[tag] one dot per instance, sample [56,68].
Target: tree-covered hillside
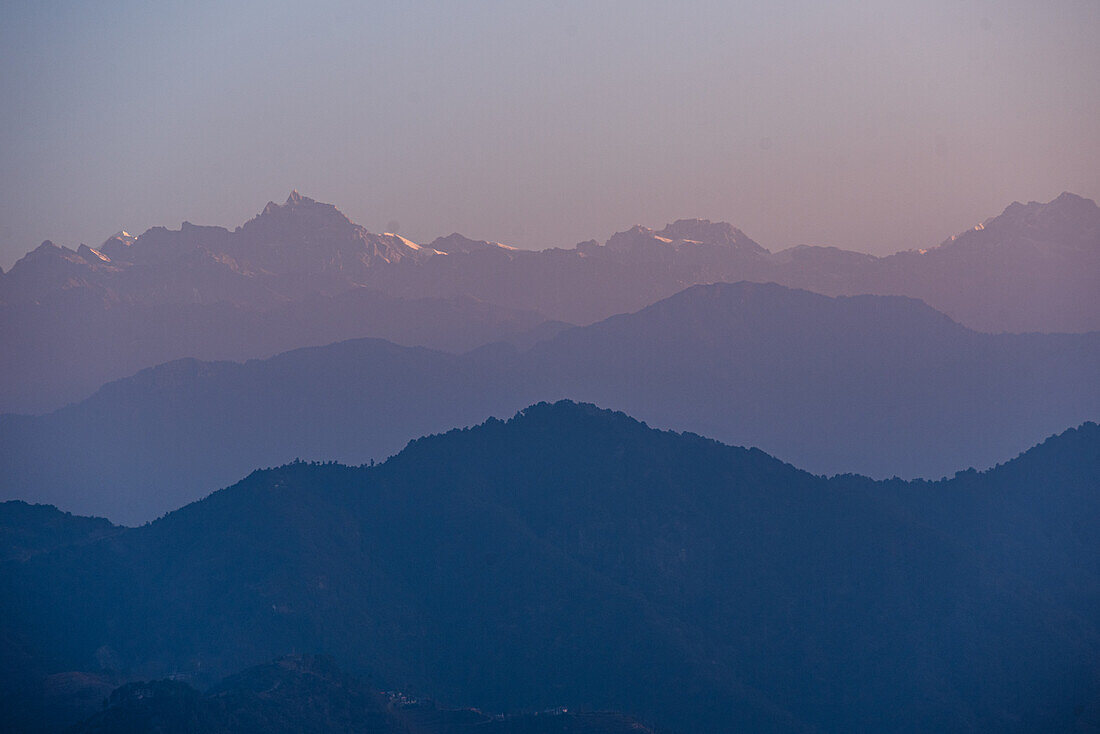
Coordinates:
[575,557]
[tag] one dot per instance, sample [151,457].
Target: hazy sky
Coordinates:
[869,125]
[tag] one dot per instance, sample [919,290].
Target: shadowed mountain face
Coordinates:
[878,385]
[72,320]
[29,529]
[58,354]
[309,693]
[575,557]
[1036,267]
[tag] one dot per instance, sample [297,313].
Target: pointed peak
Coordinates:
[1065,201]
[296,198]
[1068,197]
[295,204]
[48,252]
[294,201]
[1073,205]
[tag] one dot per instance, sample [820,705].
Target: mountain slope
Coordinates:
[29,529]
[145,443]
[52,358]
[1035,267]
[71,320]
[309,693]
[286,252]
[572,556]
[879,385]
[590,281]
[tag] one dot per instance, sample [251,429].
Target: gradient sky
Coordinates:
[874,126]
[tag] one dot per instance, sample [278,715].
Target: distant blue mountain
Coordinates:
[878,385]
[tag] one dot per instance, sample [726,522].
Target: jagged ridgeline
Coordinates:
[574,557]
[302,274]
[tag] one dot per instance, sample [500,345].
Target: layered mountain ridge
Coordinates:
[71,320]
[305,246]
[517,565]
[880,385]
[287,251]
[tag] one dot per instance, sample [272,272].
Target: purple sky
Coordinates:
[874,126]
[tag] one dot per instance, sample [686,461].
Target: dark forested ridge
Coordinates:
[575,557]
[878,385]
[28,529]
[307,693]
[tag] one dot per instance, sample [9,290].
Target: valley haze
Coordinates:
[881,470]
[609,368]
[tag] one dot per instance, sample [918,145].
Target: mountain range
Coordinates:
[406,573]
[880,385]
[291,277]
[575,557]
[1035,267]
[71,320]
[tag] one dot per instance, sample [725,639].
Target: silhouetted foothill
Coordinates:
[310,693]
[27,529]
[574,557]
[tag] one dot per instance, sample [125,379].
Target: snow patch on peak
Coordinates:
[456,243]
[92,255]
[407,243]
